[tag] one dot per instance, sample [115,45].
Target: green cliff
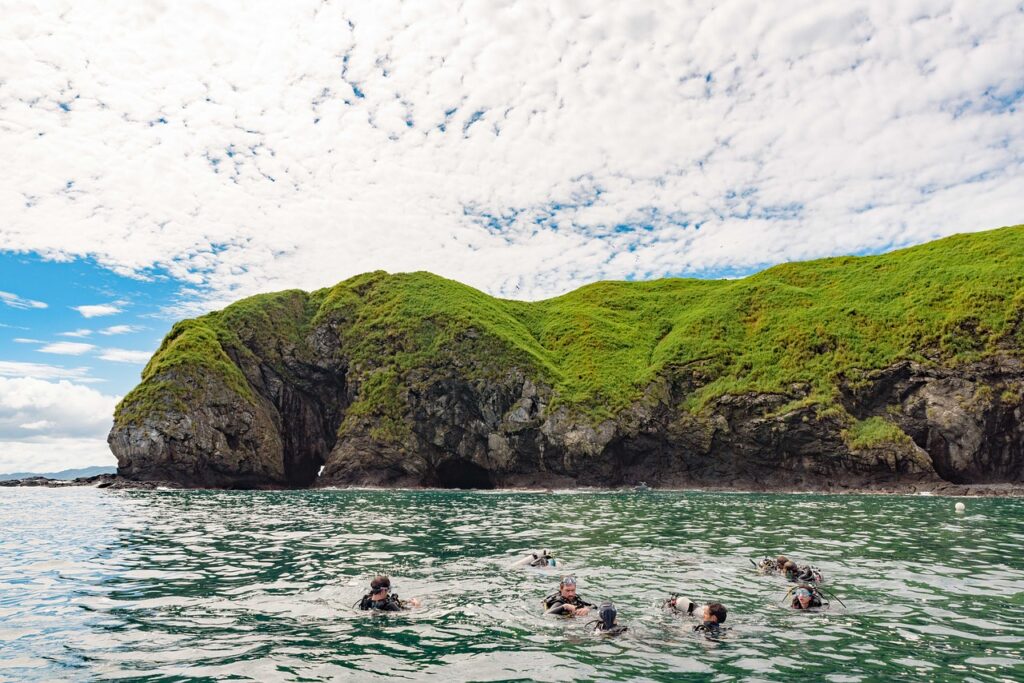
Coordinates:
[364,353]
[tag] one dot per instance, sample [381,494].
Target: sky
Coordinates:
[164,159]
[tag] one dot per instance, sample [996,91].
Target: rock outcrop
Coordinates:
[412,380]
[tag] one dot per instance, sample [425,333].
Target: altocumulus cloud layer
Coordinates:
[522,147]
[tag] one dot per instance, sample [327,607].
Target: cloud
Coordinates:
[15,301]
[75,333]
[50,454]
[121,329]
[126,356]
[25,340]
[71,410]
[67,348]
[97,310]
[51,425]
[43,371]
[523,148]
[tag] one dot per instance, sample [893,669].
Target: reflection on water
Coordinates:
[261,585]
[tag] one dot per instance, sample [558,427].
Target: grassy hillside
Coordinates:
[952,300]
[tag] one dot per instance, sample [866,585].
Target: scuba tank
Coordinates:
[605,623]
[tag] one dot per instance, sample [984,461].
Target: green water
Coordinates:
[209,585]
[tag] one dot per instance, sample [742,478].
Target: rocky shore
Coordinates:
[115,482]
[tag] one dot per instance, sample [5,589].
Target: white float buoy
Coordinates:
[960,507]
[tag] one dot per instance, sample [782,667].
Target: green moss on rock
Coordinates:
[188,360]
[872,432]
[952,301]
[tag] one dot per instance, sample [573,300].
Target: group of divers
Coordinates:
[806,594]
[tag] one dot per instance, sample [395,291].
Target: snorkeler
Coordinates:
[542,559]
[381,598]
[712,615]
[806,597]
[607,624]
[564,601]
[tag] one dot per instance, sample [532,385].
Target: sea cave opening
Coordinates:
[463,474]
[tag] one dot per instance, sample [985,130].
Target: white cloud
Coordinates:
[37,425]
[126,356]
[503,144]
[73,410]
[15,301]
[97,310]
[50,426]
[25,340]
[67,348]
[49,454]
[120,329]
[43,371]
[75,333]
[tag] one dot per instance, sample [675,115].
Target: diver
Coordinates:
[565,602]
[806,597]
[380,597]
[607,624]
[802,573]
[542,559]
[712,615]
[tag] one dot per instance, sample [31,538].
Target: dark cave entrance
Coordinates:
[463,474]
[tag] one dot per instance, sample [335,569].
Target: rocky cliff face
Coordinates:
[449,428]
[904,367]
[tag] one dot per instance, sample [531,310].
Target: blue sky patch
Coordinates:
[138,325]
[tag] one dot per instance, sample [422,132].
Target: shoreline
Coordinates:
[940,488]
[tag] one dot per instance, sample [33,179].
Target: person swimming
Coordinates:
[565,602]
[806,597]
[541,559]
[607,623]
[712,618]
[381,599]
[712,615]
[802,573]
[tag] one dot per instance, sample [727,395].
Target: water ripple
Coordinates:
[261,585]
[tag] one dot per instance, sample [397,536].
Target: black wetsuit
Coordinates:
[805,574]
[388,604]
[708,627]
[556,599]
[613,631]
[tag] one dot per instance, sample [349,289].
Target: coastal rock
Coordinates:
[413,380]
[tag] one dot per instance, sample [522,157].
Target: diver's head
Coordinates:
[803,596]
[781,561]
[380,587]
[567,587]
[714,613]
[790,569]
[607,615]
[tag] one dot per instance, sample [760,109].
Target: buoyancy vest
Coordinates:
[556,599]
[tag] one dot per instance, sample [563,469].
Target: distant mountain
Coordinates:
[63,474]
